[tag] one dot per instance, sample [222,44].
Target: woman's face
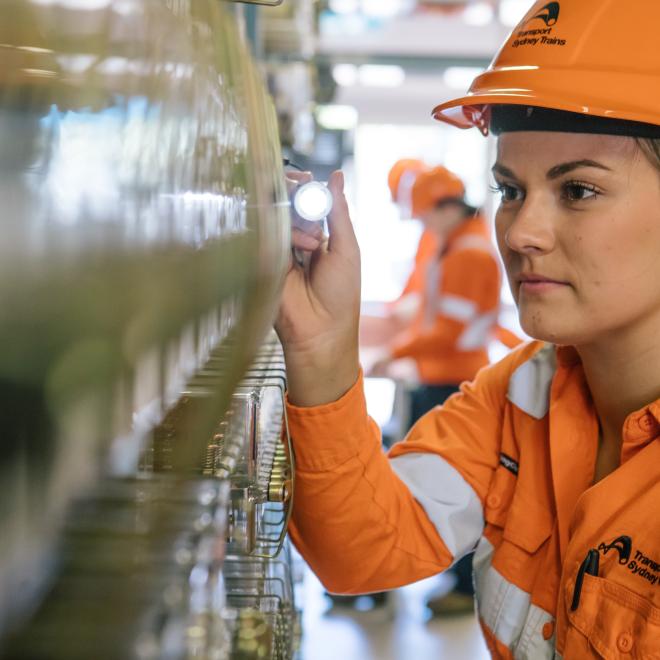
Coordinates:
[579,231]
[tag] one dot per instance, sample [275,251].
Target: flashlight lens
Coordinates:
[312,201]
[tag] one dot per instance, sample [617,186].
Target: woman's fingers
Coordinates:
[307,226]
[299,177]
[295,179]
[302,240]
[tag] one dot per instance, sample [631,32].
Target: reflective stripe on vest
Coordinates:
[529,387]
[506,610]
[448,500]
[479,327]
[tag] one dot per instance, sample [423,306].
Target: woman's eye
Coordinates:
[574,191]
[507,192]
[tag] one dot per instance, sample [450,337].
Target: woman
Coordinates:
[549,462]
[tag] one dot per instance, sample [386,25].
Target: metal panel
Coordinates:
[144,225]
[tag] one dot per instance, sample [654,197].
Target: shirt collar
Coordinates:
[640,428]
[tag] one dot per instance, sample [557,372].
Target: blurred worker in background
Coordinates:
[379,330]
[383,330]
[459,293]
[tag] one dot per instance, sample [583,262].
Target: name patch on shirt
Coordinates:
[508,463]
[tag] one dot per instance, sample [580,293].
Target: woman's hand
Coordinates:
[319,313]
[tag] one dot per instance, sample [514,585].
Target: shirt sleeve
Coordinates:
[468,289]
[366,521]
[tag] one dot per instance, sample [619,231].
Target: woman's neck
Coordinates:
[623,373]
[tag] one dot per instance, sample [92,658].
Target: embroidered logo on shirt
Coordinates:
[508,463]
[637,562]
[622,544]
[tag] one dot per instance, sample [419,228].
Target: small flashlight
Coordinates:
[312,201]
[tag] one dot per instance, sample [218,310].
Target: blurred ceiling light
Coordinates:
[345,75]
[88,5]
[383,8]
[460,77]
[511,11]
[343,6]
[478,14]
[381,75]
[337,117]
[76,63]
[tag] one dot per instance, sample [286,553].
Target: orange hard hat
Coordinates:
[434,186]
[401,177]
[598,58]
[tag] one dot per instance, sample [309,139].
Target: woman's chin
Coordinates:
[550,330]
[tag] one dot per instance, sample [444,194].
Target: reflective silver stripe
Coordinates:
[474,243]
[479,326]
[457,308]
[407,307]
[478,333]
[507,612]
[449,501]
[432,284]
[404,192]
[532,645]
[501,605]
[529,386]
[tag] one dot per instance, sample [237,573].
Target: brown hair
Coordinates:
[651,149]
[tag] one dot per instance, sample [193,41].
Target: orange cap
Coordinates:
[435,186]
[402,175]
[593,57]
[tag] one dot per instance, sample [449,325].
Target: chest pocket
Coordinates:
[518,516]
[529,523]
[611,622]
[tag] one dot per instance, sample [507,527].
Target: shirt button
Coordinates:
[646,422]
[493,501]
[548,630]
[624,642]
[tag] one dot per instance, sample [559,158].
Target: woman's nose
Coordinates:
[532,229]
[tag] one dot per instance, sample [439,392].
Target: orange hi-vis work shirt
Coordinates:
[407,305]
[411,296]
[427,248]
[563,568]
[449,335]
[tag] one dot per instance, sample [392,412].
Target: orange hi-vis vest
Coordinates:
[427,248]
[563,568]
[449,335]
[406,306]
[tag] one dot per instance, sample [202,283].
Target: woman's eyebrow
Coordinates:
[556,171]
[564,168]
[498,168]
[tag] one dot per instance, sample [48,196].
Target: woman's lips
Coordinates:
[530,283]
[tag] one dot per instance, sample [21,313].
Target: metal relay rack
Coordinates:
[165,566]
[146,470]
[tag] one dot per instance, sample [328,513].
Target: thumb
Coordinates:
[342,237]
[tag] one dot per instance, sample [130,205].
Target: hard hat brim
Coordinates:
[540,89]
